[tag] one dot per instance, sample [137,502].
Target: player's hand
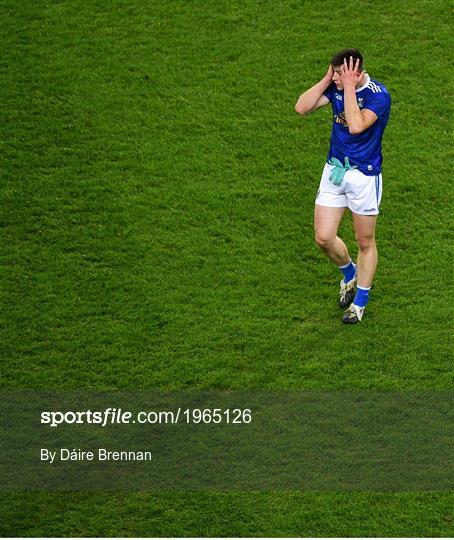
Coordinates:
[329,73]
[350,74]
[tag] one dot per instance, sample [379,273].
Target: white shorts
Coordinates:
[360,193]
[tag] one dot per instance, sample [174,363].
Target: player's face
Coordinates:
[336,78]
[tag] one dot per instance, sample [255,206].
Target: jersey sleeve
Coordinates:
[379,103]
[329,92]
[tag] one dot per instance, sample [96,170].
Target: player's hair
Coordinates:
[344,54]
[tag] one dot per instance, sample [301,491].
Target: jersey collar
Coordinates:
[364,85]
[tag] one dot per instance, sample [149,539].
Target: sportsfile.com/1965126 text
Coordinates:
[181,415]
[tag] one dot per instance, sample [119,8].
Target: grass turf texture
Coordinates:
[157,200]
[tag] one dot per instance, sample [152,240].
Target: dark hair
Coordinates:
[344,54]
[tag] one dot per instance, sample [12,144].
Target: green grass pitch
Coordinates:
[157,195]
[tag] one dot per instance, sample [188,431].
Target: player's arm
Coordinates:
[313,98]
[357,120]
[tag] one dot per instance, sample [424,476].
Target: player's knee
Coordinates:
[324,241]
[365,242]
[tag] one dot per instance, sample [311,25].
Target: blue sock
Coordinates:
[349,271]
[361,296]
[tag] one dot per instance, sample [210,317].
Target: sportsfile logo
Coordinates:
[108,416]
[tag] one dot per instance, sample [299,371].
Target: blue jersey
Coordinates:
[363,149]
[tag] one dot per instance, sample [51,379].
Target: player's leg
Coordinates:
[330,206]
[364,227]
[364,197]
[326,224]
